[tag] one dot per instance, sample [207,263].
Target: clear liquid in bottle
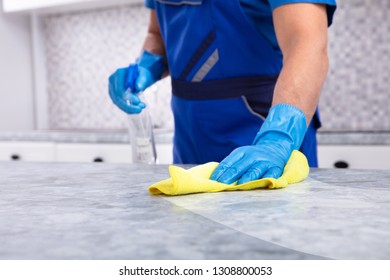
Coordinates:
[142,137]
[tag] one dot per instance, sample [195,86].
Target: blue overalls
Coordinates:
[223,77]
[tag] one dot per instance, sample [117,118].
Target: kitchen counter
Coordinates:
[165,136]
[103,211]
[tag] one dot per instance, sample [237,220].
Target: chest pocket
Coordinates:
[180,2]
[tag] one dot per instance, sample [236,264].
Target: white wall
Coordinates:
[16,83]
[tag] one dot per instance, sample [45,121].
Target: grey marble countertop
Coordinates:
[165,136]
[103,211]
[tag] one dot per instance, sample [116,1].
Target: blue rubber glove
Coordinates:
[147,70]
[281,133]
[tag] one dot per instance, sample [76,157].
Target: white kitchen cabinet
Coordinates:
[27,151]
[93,152]
[47,6]
[354,156]
[164,153]
[119,153]
[329,156]
[75,152]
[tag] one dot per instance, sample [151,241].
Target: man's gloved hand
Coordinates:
[147,70]
[282,132]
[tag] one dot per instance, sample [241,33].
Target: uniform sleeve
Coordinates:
[149,4]
[330,5]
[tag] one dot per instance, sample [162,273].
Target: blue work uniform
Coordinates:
[224,61]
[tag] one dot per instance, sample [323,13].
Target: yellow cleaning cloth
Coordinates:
[196,179]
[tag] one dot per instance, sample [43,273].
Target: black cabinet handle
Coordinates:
[98,159]
[341,164]
[15,157]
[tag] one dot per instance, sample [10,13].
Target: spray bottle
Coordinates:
[141,135]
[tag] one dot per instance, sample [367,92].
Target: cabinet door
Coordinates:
[119,153]
[164,153]
[93,153]
[27,151]
[354,156]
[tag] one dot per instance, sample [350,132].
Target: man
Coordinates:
[237,66]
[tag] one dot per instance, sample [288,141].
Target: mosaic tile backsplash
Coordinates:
[84,48]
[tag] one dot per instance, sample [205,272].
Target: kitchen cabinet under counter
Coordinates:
[357,150]
[61,146]
[336,150]
[76,152]
[93,152]
[354,156]
[27,151]
[119,153]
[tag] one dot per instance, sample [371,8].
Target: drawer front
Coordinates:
[164,153]
[63,152]
[354,156]
[27,151]
[119,153]
[93,153]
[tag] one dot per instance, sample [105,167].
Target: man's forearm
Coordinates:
[153,42]
[301,30]
[304,72]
